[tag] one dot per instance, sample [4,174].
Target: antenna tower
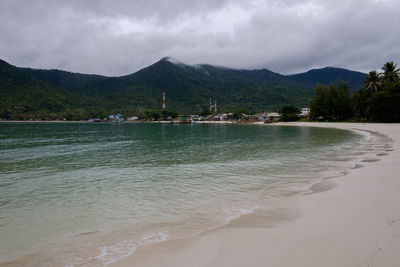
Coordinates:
[163,101]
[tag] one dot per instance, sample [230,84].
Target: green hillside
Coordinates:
[21,93]
[188,89]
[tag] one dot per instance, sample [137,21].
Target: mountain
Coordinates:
[74,82]
[21,92]
[328,75]
[188,89]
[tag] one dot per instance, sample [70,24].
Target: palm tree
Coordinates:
[390,73]
[373,81]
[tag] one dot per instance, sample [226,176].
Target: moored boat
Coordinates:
[181,122]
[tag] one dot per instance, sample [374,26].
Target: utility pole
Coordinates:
[163,101]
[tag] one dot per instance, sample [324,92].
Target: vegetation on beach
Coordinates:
[331,102]
[377,101]
[289,113]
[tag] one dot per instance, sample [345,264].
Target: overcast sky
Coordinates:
[117,37]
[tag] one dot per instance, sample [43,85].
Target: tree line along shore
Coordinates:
[377,101]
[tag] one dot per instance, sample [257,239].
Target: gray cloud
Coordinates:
[120,37]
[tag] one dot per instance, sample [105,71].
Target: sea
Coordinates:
[89,194]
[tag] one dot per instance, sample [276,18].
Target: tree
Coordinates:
[240,114]
[152,114]
[379,105]
[342,102]
[373,81]
[319,104]
[289,109]
[289,113]
[384,105]
[360,104]
[205,112]
[165,114]
[390,73]
[331,103]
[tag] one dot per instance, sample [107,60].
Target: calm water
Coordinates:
[81,193]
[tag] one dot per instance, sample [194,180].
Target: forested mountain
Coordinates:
[23,93]
[38,93]
[330,75]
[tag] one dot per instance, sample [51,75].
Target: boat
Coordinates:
[181,121]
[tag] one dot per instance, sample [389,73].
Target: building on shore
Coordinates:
[305,113]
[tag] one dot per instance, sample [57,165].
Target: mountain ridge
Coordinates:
[327,75]
[188,88]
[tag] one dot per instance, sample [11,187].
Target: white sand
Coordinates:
[356,223]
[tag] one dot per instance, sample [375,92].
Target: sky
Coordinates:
[118,37]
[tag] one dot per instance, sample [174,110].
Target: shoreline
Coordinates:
[352,220]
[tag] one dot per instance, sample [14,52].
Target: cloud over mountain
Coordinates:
[120,37]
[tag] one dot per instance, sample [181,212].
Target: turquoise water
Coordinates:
[81,193]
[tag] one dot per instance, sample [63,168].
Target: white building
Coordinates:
[132,118]
[273,116]
[305,112]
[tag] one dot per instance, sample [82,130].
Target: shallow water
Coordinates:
[89,194]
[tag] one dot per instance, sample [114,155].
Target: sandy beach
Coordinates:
[353,220]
